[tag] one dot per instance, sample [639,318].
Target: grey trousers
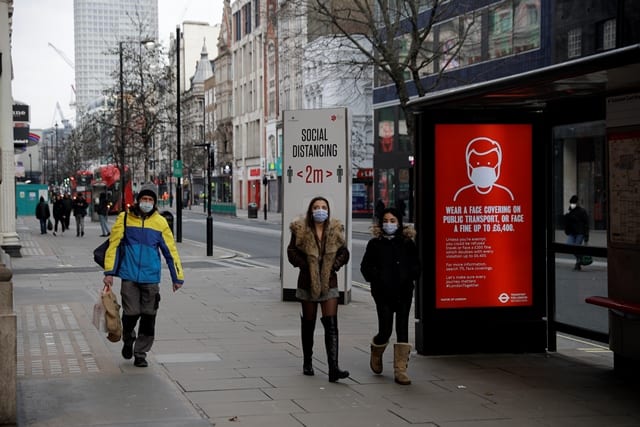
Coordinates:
[140,301]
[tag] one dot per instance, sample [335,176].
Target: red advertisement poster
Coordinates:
[483,215]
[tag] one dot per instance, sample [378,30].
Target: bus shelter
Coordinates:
[497,164]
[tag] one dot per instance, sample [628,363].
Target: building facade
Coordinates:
[330,80]
[248,37]
[98,28]
[193,131]
[194,34]
[223,115]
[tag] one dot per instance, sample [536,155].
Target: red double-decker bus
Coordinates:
[81,184]
[106,179]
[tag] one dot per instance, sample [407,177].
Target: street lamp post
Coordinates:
[122,153]
[207,147]
[56,172]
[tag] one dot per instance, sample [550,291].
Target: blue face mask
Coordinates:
[320,215]
[390,227]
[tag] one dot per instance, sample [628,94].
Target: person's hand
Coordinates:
[177,286]
[108,281]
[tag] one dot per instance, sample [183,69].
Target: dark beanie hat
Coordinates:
[573,199]
[148,190]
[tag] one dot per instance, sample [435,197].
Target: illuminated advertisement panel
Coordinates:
[483,215]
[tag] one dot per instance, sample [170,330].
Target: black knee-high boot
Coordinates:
[307,328]
[330,324]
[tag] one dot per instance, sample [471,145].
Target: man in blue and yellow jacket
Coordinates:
[134,256]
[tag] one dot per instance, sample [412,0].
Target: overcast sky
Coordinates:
[42,78]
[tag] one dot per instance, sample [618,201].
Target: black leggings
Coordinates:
[385,321]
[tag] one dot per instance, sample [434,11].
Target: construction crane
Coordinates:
[63,120]
[64,57]
[71,64]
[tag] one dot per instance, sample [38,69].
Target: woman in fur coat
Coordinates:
[391,264]
[318,248]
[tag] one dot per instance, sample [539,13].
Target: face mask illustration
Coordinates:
[483,177]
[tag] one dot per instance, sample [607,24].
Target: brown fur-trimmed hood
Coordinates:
[321,266]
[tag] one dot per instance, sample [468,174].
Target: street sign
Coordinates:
[177,168]
[316,162]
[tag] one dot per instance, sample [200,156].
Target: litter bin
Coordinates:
[253,210]
[169,217]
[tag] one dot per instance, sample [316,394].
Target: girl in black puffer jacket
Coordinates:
[391,264]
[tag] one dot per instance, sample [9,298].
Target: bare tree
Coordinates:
[147,100]
[394,36]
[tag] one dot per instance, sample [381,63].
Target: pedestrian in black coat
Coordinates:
[391,264]
[68,208]
[576,227]
[43,214]
[58,214]
[80,206]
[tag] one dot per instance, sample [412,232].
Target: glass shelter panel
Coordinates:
[572,287]
[579,224]
[579,169]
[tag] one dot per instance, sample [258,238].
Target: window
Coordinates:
[606,34]
[526,26]
[246,13]
[471,51]
[386,130]
[574,43]
[609,34]
[237,24]
[256,11]
[448,40]
[500,30]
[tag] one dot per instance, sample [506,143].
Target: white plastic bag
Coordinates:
[99,319]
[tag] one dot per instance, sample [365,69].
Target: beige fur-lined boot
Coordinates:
[400,361]
[376,357]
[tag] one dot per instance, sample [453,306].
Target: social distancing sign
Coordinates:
[316,162]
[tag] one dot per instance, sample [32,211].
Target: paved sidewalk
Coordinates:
[227,353]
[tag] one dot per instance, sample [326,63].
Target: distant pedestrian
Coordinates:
[318,248]
[378,209]
[139,266]
[102,209]
[391,264]
[576,227]
[68,209]
[58,214]
[80,206]
[43,214]
[402,207]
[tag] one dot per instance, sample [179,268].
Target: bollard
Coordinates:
[8,349]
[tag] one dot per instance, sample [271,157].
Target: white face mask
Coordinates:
[390,227]
[483,176]
[572,205]
[146,207]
